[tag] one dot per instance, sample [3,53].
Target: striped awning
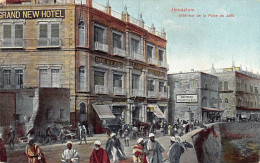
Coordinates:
[157,111]
[103,111]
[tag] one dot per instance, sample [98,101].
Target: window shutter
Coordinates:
[43,31]
[7,31]
[19,31]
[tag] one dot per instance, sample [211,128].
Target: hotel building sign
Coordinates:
[32,14]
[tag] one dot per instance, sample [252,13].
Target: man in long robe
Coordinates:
[3,157]
[154,150]
[99,154]
[70,155]
[138,152]
[114,149]
[176,150]
[34,153]
[11,135]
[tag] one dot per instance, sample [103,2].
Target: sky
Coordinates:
[198,42]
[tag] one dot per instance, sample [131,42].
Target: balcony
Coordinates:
[137,92]
[152,94]
[100,89]
[101,47]
[119,91]
[12,43]
[49,43]
[153,61]
[162,94]
[119,52]
[163,64]
[138,56]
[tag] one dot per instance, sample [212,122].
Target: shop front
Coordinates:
[210,115]
[154,114]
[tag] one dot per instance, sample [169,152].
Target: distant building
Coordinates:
[239,93]
[193,96]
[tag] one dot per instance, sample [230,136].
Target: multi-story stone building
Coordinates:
[121,66]
[239,93]
[113,65]
[193,96]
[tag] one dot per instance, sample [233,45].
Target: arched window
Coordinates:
[220,86]
[82,33]
[226,100]
[82,112]
[82,78]
[225,85]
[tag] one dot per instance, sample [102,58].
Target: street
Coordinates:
[53,152]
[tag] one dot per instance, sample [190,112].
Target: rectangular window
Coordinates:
[161,86]
[149,51]
[49,34]
[193,83]
[177,84]
[55,78]
[256,90]
[19,78]
[135,45]
[99,34]
[99,78]
[161,52]
[43,78]
[61,113]
[43,31]
[150,84]
[135,81]
[18,31]
[117,40]
[117,81]
[7,77]
[12,35]
[7,32]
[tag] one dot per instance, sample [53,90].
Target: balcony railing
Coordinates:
[101,46]
[120,52]
[46,42]
[152,94]
[100,89]
[138,56]
[163,64]
[137,92]
[163,94]
[153,61]
[119,91]
[12,43]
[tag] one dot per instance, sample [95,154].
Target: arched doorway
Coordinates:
[82,112]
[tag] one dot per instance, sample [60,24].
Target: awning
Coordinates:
[157,111]
[212,109]
[103,111]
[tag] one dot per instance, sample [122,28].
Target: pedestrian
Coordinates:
[3,157]
[138,152]
[62,135]
[175,150]
[78,131]
[114,149]
[90,129]
[154,150]
[187,128]
[34,153]
[126,135]
[165,128]
[70,155]
[99,154]
[30,134]
[83,133]
[48,135]
[11,135]
[170,129]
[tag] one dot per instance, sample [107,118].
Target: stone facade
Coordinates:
[201,87]
[93,55]
[239,94]
[54,45]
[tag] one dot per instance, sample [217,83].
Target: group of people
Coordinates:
[149,151]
